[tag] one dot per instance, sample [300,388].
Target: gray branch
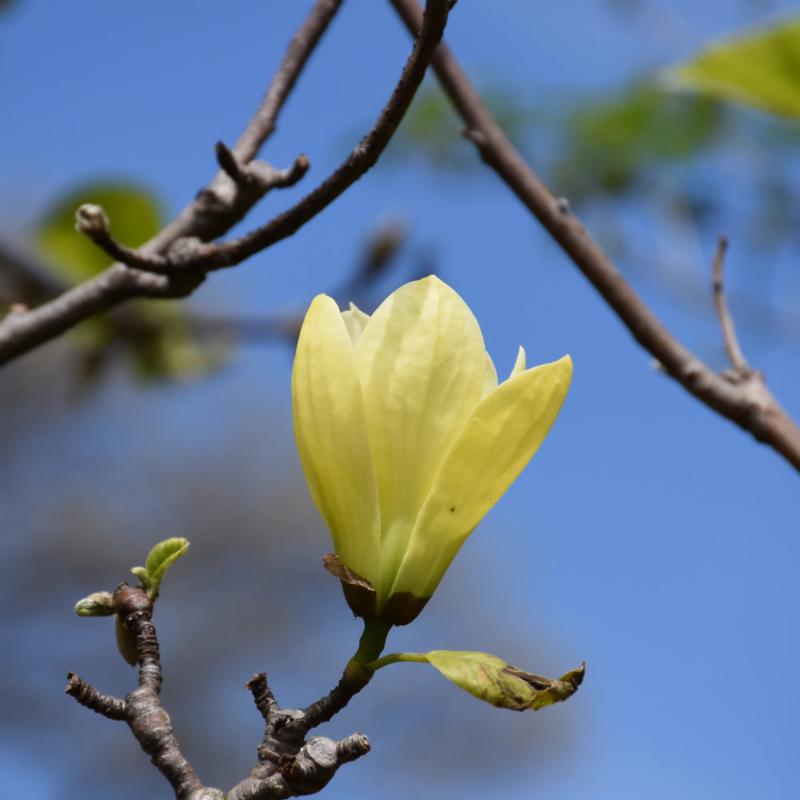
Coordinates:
[288,764]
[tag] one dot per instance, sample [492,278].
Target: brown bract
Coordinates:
[401,608]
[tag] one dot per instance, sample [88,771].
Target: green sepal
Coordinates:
[158,561]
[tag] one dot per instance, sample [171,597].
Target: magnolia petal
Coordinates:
[355,320]
[490,377]
[422,364]
[519,364]
[497,442]
[331,432]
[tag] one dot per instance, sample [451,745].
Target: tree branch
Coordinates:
[288,763]
[362,158]
[103,704]
[177,269]
[741,369]
[748,403]
[214,211]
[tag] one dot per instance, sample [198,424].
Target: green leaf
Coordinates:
[759,68]
[153,335]
[142,574]
[159,560]
[493,680]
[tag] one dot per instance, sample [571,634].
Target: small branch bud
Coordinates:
[91,220]
[97,604]
[290,176]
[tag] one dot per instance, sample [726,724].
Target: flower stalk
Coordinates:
[360,668]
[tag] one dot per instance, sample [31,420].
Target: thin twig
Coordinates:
[175,271]
[262,695]
[362,158]
[30,281]
[303,43]
[735,354]
[207,257]
[214,211]
[749,404]
[103,704]
[327,707]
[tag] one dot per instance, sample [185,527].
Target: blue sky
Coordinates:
[648,537]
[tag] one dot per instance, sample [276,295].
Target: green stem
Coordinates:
[359,669]
[395,658]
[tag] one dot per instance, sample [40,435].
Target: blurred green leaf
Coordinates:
[159,560]
[433,129]
[608,145]
[153,334]
[759,68]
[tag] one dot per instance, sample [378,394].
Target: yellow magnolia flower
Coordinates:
[407,439]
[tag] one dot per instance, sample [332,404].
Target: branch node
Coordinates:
[184,251]
[207,793]
[477,137]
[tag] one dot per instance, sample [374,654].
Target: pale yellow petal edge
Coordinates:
[497,442]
